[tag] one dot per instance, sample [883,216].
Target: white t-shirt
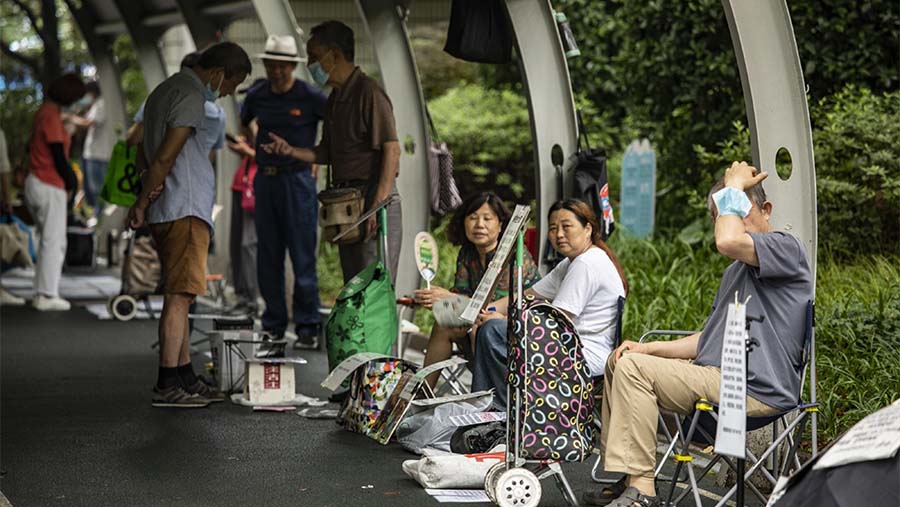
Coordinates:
[98,143]
[589,288]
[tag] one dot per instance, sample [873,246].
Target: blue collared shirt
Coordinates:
[190,188]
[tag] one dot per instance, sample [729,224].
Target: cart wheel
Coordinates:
[517,487]
[490,480]
[123,307]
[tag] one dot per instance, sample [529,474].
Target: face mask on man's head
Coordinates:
[210,94]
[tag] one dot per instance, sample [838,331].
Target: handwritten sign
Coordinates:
[348,366]
[486,285]
[732,428]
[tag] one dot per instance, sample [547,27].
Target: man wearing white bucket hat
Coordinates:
[286,206]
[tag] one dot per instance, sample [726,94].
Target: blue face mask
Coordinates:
[210,94]
[318,74]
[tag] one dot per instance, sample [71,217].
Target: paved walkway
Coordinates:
[77,428]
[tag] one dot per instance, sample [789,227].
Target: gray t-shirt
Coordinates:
[781,287]
[191,185]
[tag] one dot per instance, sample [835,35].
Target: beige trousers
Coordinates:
[635,389]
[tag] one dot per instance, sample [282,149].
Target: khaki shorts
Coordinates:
[183,246]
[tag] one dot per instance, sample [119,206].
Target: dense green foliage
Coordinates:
[857,156]
[669,67]
[489,134]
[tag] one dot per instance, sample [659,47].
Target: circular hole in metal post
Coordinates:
[784,165]
[556,155]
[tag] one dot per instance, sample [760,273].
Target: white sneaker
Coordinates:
[49,304]
[9,299]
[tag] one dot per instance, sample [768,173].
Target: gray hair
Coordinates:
[756,194]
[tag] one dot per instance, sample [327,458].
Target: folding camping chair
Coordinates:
[701,428]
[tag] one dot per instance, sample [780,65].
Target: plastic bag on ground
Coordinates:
[453,471]
[429,425]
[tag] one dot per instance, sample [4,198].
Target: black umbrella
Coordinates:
[863,484]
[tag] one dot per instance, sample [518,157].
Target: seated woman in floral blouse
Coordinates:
[476,228]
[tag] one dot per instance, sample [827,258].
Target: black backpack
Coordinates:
[591,181]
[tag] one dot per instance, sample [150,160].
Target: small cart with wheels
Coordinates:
[516,482]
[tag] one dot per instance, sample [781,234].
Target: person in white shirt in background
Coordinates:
[6,298]
[98,145]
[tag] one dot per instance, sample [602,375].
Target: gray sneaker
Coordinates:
[204,390]
[177,397]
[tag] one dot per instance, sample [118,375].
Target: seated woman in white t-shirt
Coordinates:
[586,285]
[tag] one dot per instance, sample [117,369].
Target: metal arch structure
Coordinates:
[386,24]
[778,114]
[277,18]
[545,74]
[777,111]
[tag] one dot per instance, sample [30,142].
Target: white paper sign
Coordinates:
[507,241]
[877,436]
[348,366]
[732,427]
[440,365]
[447,311]
[479,418]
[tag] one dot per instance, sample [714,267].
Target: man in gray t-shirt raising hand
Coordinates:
[642,378]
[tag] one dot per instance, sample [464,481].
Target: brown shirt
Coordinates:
[359,119]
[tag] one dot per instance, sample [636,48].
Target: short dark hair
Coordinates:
[92,87]
[228,56]
[456,230]
[190,60]
[66,89]
[756,194]
[335,35]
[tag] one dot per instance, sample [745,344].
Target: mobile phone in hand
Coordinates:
[230,138]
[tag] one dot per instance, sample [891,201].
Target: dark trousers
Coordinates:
[489,369]
[286,219]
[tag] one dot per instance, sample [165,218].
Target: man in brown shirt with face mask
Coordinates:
[359,139]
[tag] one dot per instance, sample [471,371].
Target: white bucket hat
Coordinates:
[282,48]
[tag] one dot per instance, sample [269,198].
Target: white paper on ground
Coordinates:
[479,418]
[301,400]
[877,436]
[459,495]
[732,426]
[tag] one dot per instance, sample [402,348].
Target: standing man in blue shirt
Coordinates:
[286,201]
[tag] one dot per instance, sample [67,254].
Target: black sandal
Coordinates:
[631,497]
[606,494]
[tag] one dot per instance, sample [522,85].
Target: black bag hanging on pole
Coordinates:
[591,181]
[479,32]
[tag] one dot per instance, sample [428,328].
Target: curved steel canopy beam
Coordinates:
[549,92]
[386,25]
[775,97]
[144,39]
[278,18]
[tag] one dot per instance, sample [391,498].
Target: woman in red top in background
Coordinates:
[47,187]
